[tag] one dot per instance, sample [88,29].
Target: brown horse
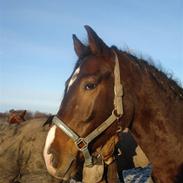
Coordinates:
[152,105]
[16,116]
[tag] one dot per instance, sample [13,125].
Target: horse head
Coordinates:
[89,100]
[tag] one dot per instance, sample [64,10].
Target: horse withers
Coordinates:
[110,90]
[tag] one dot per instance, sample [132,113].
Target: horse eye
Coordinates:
[90,86]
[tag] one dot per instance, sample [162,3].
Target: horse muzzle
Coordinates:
[59,169]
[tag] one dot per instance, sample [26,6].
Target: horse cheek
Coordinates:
[87,105]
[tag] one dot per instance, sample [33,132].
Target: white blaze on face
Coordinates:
[73,78]
[48,157]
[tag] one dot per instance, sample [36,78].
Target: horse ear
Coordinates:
[95,42]
[79,47]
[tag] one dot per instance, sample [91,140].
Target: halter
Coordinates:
[82,143]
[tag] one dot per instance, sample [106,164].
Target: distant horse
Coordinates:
[16,116]
[108,91]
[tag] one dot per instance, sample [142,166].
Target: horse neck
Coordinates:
[158,100]
[157,119]
[154,95]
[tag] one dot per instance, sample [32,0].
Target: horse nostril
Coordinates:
[55,162]
[54,159]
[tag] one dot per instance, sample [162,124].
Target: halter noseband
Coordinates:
[82,143]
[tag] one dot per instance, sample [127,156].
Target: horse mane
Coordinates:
[164,80]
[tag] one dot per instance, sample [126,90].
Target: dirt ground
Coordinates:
[21,159]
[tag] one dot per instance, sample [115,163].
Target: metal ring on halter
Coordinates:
[81,144]
[116,113]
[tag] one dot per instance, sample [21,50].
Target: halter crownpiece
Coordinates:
[82,143]
[118,88]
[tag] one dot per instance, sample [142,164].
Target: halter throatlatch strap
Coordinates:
[82,143]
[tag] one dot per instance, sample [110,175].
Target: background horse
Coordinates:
[152,111]
[16,116]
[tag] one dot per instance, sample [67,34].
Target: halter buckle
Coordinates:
[81,144]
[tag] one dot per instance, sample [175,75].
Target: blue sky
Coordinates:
[36,50]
